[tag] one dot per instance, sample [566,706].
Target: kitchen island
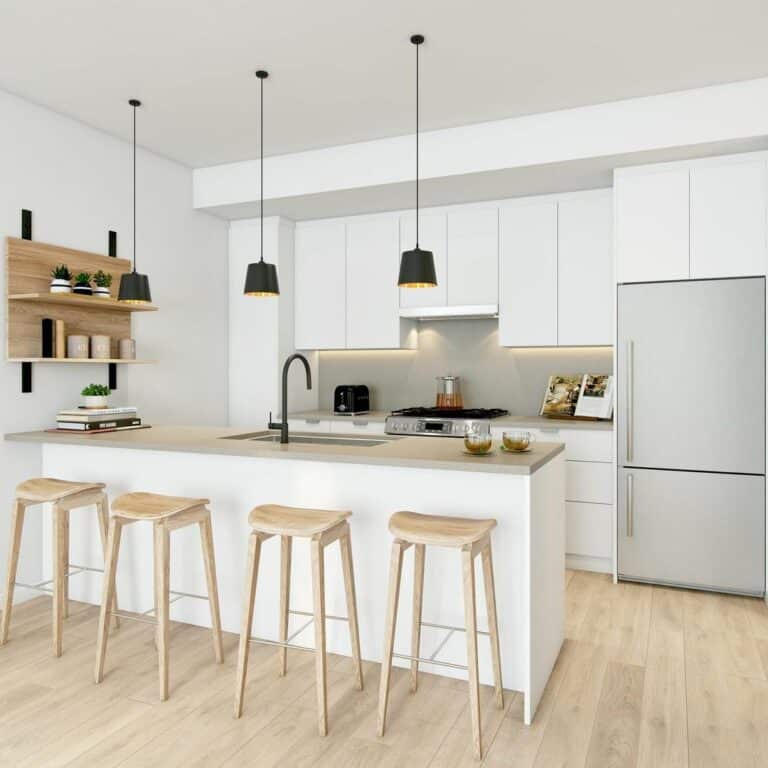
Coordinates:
[373,477]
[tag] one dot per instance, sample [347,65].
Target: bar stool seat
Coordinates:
[437,530]
[322,527]
[278,520]
[153,506]
[43,490]
[166,513]
[473,538]
[64,497]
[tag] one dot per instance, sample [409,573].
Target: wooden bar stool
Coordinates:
[64,496]
[322,527]
[472,537]
[166,513]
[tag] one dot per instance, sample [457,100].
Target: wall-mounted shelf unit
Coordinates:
[28,269]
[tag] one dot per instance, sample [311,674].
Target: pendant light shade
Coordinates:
[134,287]
[417,267]
[261,277]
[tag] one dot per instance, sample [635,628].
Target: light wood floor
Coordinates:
[647,677]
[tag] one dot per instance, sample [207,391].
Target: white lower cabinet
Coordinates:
[309,425]
[588,481]
[589,529]
[358,426]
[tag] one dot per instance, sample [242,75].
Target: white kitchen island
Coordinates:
[524,492]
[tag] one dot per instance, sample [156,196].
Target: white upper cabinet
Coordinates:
[373,262]
[728,219]
[528,274]
[432,228]
[473,257]
[652,222]
[585,269]
[320,285]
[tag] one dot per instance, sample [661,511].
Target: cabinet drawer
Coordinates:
[580,444]
[588,529]
[588,481]
[358,426]
[309,425]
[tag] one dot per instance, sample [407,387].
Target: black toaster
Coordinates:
[351,399]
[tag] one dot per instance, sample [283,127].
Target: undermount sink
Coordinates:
[270,436]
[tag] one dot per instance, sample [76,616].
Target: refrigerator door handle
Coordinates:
[630,420]
[630,507]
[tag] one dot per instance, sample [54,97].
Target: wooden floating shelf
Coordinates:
[78,300]
[80,360]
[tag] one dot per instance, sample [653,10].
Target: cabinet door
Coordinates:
[373,312]
[585,270]
[728,219]
[528,275]
[320,298]
[473,257]
[692,528]
[652,217]
[432,228]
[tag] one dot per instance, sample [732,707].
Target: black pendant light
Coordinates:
[417,267]
[134,288]
[261,278]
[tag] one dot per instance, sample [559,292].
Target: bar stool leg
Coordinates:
[17,524]
[60,523]
[65,563]
[206,536]
[345,543]
[318,589]
[102,508]
[470,615]
[162,602]
[493,622]
[395,571]
[111,554]
[286,544]
[419,551]
[249,593]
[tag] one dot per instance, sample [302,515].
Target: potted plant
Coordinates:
[61,279]
[95,396]
[103,281]
[83,283]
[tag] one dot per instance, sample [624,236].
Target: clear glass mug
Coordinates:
[517,440]
[477,437]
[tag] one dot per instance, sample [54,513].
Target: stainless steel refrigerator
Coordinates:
[691,434]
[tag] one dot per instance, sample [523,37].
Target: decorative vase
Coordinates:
[83,288]
[95,401]
[102,292]
[59,285]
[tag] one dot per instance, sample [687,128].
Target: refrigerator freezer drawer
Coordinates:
[692,529]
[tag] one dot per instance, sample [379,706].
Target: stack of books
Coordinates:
[98,419]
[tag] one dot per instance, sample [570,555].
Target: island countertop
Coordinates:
[416,452]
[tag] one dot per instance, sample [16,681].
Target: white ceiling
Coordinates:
[342,70]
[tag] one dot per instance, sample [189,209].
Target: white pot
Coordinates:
[58,285]
[95,401]
[102,293]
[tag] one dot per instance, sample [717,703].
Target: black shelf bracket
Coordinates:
[26,377]
[113,244]
[26,224]
[112,375]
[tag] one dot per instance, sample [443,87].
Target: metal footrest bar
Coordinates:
[280,644]
[429,661]
[148,616]
[453,629]
[433,658]
[42,586]
[312,615]
[295,633]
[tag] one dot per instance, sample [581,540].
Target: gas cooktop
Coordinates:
[445,422]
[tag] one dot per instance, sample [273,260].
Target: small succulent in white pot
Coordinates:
[102,281]
[95,396]
[61,279]
[83,283]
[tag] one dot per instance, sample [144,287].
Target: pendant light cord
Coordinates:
[417,146]
[261,169]
[134,187]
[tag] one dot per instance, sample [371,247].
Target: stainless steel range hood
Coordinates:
[466,311]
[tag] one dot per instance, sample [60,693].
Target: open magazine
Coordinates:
[584,395]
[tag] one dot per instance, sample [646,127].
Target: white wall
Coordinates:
[77,183]
[261,329]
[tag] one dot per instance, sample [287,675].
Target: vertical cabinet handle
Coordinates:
[630,506]
[630,422]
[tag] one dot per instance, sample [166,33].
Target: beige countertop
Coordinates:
[415,452]
[532,422]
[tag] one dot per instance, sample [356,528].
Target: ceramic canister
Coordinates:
[100,347]
[127,349]
[77,347]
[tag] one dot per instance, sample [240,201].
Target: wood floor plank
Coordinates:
[579,594]
[616,732]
